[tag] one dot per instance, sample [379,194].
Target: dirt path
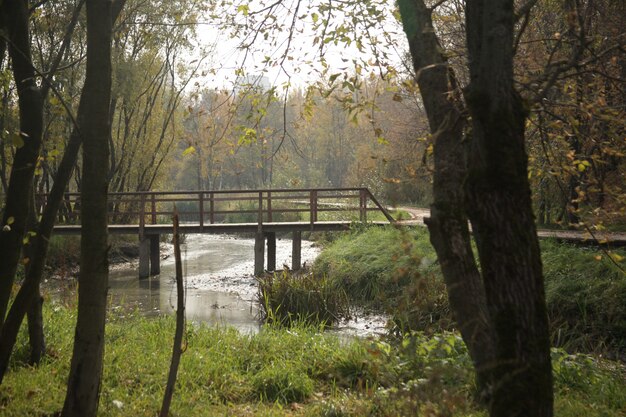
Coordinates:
[580,236]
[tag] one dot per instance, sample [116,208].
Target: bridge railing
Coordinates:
[205,207]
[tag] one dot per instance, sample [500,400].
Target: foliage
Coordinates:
[287,299]
[277,372]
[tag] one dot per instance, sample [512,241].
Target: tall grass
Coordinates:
[586,297]
[287,298]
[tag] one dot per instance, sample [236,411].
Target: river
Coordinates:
[221,289]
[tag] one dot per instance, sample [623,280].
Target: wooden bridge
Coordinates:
[261,212]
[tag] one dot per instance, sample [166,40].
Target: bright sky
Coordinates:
[303,65]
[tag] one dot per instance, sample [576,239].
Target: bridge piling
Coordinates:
[296,251]
[144,256]
[259,254]
[155,255]
[271,251]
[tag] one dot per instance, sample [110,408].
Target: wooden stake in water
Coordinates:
[180,322]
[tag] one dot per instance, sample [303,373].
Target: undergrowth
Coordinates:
[279,372]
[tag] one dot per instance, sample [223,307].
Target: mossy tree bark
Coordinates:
[83,387]
[448,227]
[499,207]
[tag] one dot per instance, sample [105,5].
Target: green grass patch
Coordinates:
[586,297]
[389,269]
[396,271]
[279,372]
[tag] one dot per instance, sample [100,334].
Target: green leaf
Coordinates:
[334,77]
[189,151]
[243,9]
[17,140]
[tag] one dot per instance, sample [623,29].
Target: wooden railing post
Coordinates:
[211,208]
[142,213]
[144,242]
[363,205]
[201,209]
[269,207]
[313,206]
[260,216]
[153,208]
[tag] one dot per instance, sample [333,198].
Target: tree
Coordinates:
[507,334]
[15,17]
[36,251]
[83,386]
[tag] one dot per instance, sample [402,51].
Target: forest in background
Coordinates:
[349,128]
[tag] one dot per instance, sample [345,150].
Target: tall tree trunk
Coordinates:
[29,290]
[499,207]
[448,228]
[15,18]
[35,312]
[83,387]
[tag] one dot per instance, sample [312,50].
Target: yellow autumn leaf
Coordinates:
[189,151]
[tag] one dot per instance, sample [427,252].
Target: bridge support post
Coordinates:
[259,253]
[296,251]
[155,255]
[271,251]
[144,256]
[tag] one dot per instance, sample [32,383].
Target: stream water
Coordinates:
[221,289]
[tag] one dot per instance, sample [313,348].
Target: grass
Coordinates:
[296,372]
[395,270]
[389,269]
[586,297]
[287,299]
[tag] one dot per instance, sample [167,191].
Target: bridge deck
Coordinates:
[218,228]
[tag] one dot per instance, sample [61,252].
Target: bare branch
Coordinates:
[525,9]
[439,3]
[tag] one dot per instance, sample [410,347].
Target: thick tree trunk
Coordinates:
[15,18]
[448,228]
[499,207]
[86,368]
